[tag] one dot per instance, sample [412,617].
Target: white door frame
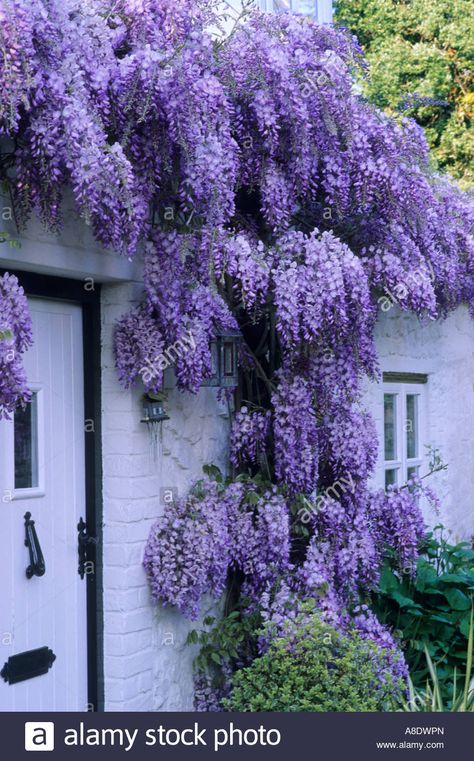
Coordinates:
[62,289]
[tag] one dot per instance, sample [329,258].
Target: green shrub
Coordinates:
[315,668]
[432,611]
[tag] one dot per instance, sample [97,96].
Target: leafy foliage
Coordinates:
[224,639]
[421,59]
[431,698]
[315,668]
[431,611]
[224,642]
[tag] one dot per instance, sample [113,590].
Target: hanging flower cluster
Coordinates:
[321,292]
[397,521]
[351,535]
[198,540]
[246,261]
[249,436]
[179,313]
[296,434]
[349,444]
[139,344]
[15,338]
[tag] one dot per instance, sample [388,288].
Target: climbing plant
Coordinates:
[15,338]
[264,195]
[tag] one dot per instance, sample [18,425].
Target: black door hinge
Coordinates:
[85,548]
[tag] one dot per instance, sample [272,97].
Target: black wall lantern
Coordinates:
[154,408]
[224,359]
[154,414]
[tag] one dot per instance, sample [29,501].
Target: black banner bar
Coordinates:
[228,736]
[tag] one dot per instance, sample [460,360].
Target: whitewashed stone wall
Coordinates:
[443,350]
[147,664]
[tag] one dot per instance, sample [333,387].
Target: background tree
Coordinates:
[421,58]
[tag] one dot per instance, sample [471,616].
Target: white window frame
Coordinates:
[33,491]
[402,462]
[323,10]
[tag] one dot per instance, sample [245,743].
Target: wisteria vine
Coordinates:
[264,194]
[15,338]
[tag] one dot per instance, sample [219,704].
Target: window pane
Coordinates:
[391,477]
[301,7]
[26,445]
[307,7]
[413,471]
[390,429]
[214,359]
[411,425]
[228,351]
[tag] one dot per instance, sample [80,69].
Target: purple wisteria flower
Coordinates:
[192,547]
[249,436]
[295,431]
[15,338]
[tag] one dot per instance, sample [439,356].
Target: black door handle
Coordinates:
[37,565]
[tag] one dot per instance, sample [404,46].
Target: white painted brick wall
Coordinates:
[147,664]
[445,351]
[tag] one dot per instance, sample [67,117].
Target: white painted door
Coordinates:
[42,472]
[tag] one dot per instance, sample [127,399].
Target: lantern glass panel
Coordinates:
[153,411]
[214,358]
[214,378]
[228,355]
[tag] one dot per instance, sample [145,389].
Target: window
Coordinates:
[27,448]
[319,10]
[26,445]
[301,7]
[402,431]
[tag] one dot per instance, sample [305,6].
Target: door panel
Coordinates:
[42,471]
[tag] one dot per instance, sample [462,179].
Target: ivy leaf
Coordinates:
[405,602]
[465,625]
[193,637]
[457,599]
[442,619]
[251,498]
[426,576]
[455,578]
[388,581]
[213,472]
